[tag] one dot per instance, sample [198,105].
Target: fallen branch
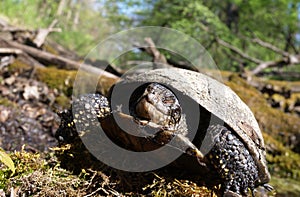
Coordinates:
[151,49]
[60,61]
[238,51]
[10,51]
[285,75]
[291,60]
[288,59]
[269,46]
[268,64]
[262,85]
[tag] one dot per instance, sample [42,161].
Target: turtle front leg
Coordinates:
[233,162]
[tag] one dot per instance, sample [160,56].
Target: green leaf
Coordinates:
[5,158]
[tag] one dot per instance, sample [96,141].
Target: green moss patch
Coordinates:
[7,103]
[272,121]
[57,79]
[285,186]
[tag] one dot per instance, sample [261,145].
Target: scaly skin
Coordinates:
[233,162]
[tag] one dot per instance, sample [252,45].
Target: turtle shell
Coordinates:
[219,100]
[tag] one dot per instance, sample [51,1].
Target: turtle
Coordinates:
[204,118]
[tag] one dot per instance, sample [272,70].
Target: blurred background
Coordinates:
[238,34]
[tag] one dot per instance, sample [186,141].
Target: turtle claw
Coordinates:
[268,187]
[230,193]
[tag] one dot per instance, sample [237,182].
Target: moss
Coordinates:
[281,160]
[37,175]
[19,66]
[63,101]
[266,116]
[57,78]
[48,48]
[162,186]
[293,100]
[285,186]
[63,79]
[163,182]
[7,103]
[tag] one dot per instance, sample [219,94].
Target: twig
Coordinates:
[288,59]
[61,61]
[267,64]
[238,51]
[10,51]
[151,49]
[94,192]
[269,46]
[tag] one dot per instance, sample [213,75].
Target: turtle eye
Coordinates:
[150,89]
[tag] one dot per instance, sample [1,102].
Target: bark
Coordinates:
[43,33]
[10,51]
[58,60]
[287,58]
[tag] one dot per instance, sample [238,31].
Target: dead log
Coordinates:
[13,51]
[265,86]
[59,61]
[61,50]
